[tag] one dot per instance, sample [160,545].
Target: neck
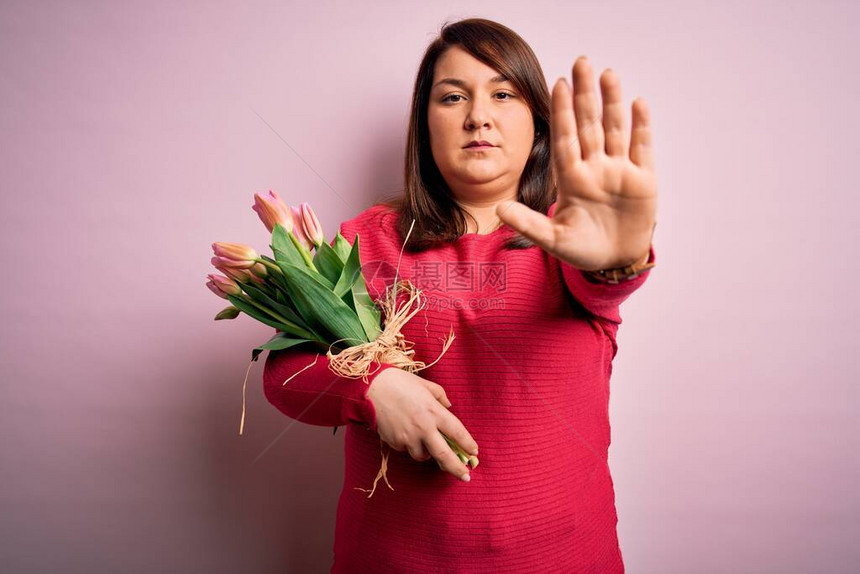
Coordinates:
[482,206]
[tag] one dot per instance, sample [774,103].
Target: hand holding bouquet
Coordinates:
[315,292]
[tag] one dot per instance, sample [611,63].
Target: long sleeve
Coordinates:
[600,299]
[316,395]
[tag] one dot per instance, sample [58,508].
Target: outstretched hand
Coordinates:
[607,189]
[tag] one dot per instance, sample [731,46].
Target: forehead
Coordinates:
[459,64]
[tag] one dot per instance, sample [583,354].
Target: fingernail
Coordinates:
[466,477]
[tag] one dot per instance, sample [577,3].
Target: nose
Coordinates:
[477,117]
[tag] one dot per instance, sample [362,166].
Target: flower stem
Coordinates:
[464,457]
[306,255]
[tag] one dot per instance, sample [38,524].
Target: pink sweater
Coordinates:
[527,374]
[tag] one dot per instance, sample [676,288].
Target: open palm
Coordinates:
[607,189]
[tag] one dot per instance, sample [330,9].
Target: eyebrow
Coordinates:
[461,84]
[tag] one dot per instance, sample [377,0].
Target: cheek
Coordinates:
[441,126]
[521,132]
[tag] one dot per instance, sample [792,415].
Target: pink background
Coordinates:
[134,136]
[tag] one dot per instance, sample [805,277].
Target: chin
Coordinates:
[481,175]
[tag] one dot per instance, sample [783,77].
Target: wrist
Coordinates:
[618,274]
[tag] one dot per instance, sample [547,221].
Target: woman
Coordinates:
[516,213]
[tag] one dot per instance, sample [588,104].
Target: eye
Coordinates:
[509,95]
[449,96]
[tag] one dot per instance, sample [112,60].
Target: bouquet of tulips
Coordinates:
[313,291]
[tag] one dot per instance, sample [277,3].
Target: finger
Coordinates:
[641,148]
[439,393]
[586,108]
[448,461]
[613,114]
[534,225]
[418,452]
[453,428]
[562,128]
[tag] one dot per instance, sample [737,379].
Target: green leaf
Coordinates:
[278,342]
[284,248]
[263,317]
[316,302]
[368,313]
[313,272]
[351,271]
[352,281]
[284,311]
[257,314]
[348,299]
[327,262]
[341,247]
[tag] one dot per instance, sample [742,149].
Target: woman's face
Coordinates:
[471,101]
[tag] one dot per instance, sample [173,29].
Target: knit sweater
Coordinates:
[527,374]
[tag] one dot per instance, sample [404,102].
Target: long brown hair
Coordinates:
[426,197]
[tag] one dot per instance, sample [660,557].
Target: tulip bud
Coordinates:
[298,228]
[234,255]
[223,286]
[227,313]
[214,288]
[311,225]
[259,271]
[272,210]
[233,272]
[238,251]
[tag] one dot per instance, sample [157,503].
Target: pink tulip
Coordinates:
[252,275]
[298,228]
[310,223]
[232,272]
[223,286]
[259,272]
[272,210]
[214,289]
[234,255]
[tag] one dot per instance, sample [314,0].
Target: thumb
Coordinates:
[535,226]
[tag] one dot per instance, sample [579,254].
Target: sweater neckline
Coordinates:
[483,236]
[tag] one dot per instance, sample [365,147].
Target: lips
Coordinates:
[479,143]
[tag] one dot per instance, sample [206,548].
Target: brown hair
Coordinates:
[426,197]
